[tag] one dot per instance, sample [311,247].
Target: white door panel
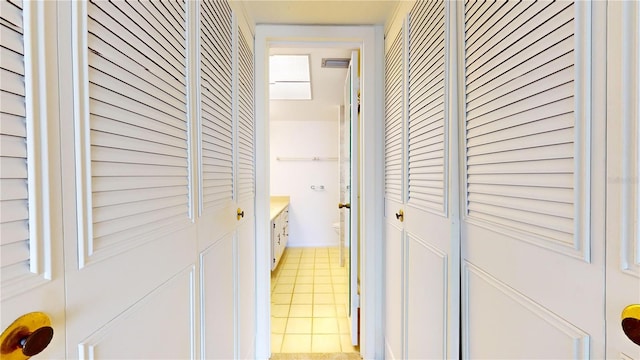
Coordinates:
[623,172]
[393,265]
[533,224]
[153,239]
[421,235]
[31,254]
[217,302]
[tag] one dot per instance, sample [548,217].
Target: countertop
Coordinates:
[278,203]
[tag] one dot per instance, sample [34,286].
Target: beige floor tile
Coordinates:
[283,289]
[276,342]
[301,311]
[303,289]
[286,272]
[299,326]
[302,299]
[306,287]
[325,343]
[339,280]
[323,288]
[304,280]
[323,272]
[296,343]
[305,272]
[278,325]
[279,310]
[322,279]
[345,342]
[343,325]
[281,298]
[324,310]
[323,299]
[327,325]
[286,279]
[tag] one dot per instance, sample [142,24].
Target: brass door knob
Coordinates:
[400,215]
[240,214]
[631,322]
[346,205]
[29,335]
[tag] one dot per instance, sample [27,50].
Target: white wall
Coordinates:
[312,212]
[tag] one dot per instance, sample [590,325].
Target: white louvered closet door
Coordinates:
[30,239]
[422,296]
[226,226]
[245,160]
[393,151]
[431,274]
[532,232]
[135,247]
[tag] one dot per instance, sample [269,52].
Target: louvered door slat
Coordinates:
[110,111]
[128,196]
[426,122]
[245,120]
[520,117]
[393,120]
[138,122]
[169,102]
[14,191]
[137,64]
[130,183]
[131,106]
[216,103]
[121,34]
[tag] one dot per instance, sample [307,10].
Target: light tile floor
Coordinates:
[309,290]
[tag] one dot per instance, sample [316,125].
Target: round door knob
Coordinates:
[37,341]
[341,205]
[27,336]
[631,322]
[400,215]
[240,213]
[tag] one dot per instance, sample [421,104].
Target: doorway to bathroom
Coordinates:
[313,110]
[273,135]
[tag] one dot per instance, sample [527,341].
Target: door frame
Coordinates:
[370,41]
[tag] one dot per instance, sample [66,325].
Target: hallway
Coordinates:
[308,296]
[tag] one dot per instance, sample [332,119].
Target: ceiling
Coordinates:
[327,84]
[312,12]
[326,88]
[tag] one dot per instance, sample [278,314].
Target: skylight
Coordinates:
[289,77]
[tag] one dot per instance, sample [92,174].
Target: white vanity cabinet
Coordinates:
[279,228]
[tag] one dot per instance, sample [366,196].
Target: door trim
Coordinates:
[370,40]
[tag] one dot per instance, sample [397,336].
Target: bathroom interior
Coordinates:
[309,143]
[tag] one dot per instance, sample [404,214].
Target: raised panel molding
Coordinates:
[426,319]
[217,299]
[514,320]
[167,309]
[578,244]
[36,270]
[630,177]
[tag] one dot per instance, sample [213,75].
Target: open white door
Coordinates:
[352,86]
[623,174]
